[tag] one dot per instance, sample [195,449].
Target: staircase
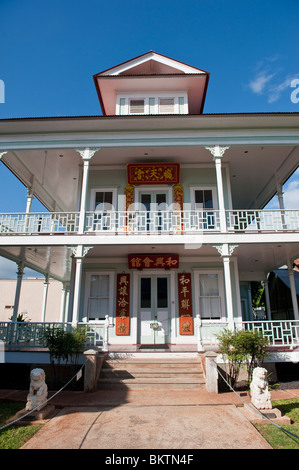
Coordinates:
[149,373]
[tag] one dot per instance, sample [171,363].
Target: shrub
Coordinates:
[242,348]
[64,345]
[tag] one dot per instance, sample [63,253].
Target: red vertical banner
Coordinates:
[123,304]
[185,304]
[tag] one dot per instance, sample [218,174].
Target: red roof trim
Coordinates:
[149,52]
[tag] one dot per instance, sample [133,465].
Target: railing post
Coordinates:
[106,335]
[199,337]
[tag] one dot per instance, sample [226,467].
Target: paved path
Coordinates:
[147,420]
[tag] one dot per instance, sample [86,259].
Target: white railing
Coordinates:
[280,333]
[23,335]
[45,222]
[262,220]
[140,222]
[20,335]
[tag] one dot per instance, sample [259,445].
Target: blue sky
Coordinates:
[49,51]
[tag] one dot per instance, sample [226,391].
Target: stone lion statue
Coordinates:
[260,395]
[38,390]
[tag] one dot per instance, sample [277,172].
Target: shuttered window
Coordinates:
[136,106]
[166,105]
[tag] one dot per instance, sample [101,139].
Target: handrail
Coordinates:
[153,221]
[20,335]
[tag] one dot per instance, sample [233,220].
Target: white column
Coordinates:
[45,297]
[79,253]
[218,151]
[29,196]
[228,292]
[63,302]
[226,250]
[293,290]
[86,155]
[281,203]
[267,299]
[20,274]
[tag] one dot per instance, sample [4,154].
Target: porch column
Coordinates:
[20,274]
[293,290]
[281,203]
[86,156]
[45,296]
[218,151]
[226,251]
[64,301]
[267,299]
[79,253]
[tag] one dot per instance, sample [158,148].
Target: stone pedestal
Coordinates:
[35,417]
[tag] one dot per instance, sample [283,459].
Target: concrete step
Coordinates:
[108,373]
[148,373]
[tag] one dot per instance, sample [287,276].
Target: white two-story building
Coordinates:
[154,214]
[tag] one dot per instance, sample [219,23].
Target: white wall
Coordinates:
[31,299]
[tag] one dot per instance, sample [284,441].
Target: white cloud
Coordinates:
[291,192]
[270,80]
[257,85]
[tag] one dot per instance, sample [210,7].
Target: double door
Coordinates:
[154,309]
[154,214]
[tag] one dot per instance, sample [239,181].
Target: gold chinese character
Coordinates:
[183,280]
[171,262]
[147,262]
[160,261]
[136,262]
[185,291]
[122,302]
[185,304]
[123,280]
[123,290]
[168,174]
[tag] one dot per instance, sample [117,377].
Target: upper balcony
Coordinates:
[162,222]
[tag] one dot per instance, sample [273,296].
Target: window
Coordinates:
[210,294]
[98,302]
[136,106]
[203,199]
[149,103]
[103,200]
[209,297]
[166,106]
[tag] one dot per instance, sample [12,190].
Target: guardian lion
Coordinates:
[38,390]
[260,395]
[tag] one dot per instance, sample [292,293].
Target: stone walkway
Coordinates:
[148,420]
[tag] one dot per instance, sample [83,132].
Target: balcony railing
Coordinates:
[45,222]
[140,222]
[280,333]
[144,222]
[262,220]
[23,335]
[26,335]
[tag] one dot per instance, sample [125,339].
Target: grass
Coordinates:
[276,437]
[14,437]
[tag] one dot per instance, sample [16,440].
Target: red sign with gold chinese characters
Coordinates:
[153,173]
[185,304]
[153,261]
[123,304]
